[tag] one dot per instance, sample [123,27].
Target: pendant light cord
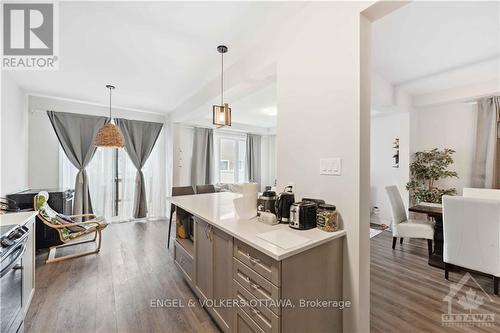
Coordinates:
[110,104]
[222,80]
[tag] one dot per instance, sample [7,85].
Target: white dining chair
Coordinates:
[481,193]
[472,235]
[407,228]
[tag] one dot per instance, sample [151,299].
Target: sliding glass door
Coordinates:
[112,175]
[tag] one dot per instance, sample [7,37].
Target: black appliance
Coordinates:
[266,202]
[283,204]
[303,215]
[61,200]
[13,240]
[316,201]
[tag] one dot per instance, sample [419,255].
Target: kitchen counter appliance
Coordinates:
[303,215]
[266,202]
[283,204]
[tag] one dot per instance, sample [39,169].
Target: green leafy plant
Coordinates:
[426,169]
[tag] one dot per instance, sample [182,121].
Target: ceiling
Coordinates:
[158,54]
[417,46]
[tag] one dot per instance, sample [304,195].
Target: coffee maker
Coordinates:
[283,203]
[266,202]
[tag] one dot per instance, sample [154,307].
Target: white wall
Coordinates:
[449,126]
[43,143]
[183,152]
[384,129]
[268,160]
[14,141]
[320,115]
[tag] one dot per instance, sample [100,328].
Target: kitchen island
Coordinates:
[254,277]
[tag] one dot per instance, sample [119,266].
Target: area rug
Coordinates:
[376,228]
[374,232]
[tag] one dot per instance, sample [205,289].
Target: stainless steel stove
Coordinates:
[12,246]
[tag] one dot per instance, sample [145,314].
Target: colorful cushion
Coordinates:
[50,215]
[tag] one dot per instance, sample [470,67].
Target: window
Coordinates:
[231,158]
[224,165]
[111,176]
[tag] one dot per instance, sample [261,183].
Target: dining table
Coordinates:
[434,211]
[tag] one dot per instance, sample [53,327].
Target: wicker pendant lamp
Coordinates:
[109,136]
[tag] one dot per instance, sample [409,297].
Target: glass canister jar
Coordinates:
[326,218]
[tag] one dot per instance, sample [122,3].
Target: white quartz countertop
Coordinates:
[16,218]
[218,210]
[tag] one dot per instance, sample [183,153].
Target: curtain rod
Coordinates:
[151,115]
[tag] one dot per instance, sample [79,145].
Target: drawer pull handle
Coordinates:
[252,259]
[254,286]
[255,311]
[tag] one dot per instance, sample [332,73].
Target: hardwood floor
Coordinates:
[407,294]
[112,291]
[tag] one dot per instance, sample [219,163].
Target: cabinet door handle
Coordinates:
[210,232]
[205,229]
[254,286]
[252,259]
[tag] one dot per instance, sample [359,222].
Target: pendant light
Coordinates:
[109,136]
[222,112]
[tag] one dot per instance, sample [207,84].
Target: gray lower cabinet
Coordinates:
[203,259]
[244,324]
[221,269]
[214,273]
[222,274]
[28,262]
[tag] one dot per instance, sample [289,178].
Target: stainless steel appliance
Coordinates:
[266,202]
[283,203]
[13,240]
[303,215]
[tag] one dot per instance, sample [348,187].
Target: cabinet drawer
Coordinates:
[244,324]
[183,260]
[259,287]
[258,261]
[260,314]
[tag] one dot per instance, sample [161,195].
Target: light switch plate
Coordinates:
[330,166]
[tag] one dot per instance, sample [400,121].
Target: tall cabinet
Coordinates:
[207,265]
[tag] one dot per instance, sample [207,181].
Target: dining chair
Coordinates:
[481,193]
[471,230]
[407,228]
[177,191]
[200,189]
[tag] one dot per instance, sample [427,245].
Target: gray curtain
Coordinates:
[202,164]
[485,173]
[140,138]
[76,134]
[253,158]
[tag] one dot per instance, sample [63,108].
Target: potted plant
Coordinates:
[426,169]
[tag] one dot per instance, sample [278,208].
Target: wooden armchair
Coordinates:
[68,229]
